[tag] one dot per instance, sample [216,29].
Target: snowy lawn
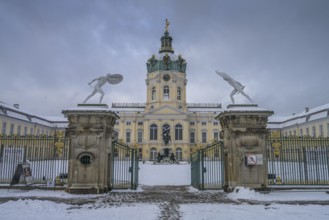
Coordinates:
[40,210]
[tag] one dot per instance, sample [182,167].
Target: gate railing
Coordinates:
[124,166]
[207,171]
[47,156]
[298,161]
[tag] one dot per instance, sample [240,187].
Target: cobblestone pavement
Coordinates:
[167,198]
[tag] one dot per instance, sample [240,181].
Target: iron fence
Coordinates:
[207,171]
[46,155]
[298,161]
[124,166]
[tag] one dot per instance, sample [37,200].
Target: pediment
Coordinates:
[166,112]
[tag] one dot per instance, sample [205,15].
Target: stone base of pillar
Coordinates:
[90,131]
[244,128]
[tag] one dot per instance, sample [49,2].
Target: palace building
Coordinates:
[16,121]
[190,124]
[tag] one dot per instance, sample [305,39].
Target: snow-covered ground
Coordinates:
[35,204]
[168,174]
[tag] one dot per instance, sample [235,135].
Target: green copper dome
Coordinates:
[166,60]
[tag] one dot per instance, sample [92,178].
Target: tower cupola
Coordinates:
[166,41]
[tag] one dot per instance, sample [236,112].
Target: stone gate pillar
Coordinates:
[90,131]
[245,162]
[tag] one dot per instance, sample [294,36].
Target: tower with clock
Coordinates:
[166,77]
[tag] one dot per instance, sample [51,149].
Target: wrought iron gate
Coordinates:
[298,160]
[47,156]
[207,170]
[124,166]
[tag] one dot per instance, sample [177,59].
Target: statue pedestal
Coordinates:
[90,131]
[245,162]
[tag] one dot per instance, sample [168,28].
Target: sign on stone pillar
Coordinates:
[90,131]
[245,162]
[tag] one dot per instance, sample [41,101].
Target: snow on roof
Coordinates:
[305,116]
[244,108]
[14,111]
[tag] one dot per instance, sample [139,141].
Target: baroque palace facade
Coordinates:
[190,124]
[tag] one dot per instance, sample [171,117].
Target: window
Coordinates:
[321,130]
[25,131]
[178,153]
[307,131]
[140,123]
[204,137]
[216,135]
[128,136]
[192,137]
[179,93]
[192,123]
[4,128]
[154,132]
[31,131]
[294,132]
[204,123]
[216,123]
[178,132]
[301,132]
[153,93]
[153,153]
[140,154]
[12,126]
[128,123]
[140,136]
[313,132]
[166,92]
[19,130]
[115,135]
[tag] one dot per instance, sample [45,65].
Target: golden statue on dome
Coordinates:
[167,25]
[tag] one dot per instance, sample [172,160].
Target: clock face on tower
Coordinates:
[166,77]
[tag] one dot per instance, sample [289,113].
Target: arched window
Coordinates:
[179,93]
[216,135]
[153,153]
[178,132]
[154,132]
[116,135]
[153,93]
[166,92]
[179,153]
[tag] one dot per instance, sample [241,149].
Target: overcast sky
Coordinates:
[50,50]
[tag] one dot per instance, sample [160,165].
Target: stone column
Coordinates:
[90,131]
[244,133]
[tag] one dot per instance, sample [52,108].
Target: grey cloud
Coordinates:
[49,50]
